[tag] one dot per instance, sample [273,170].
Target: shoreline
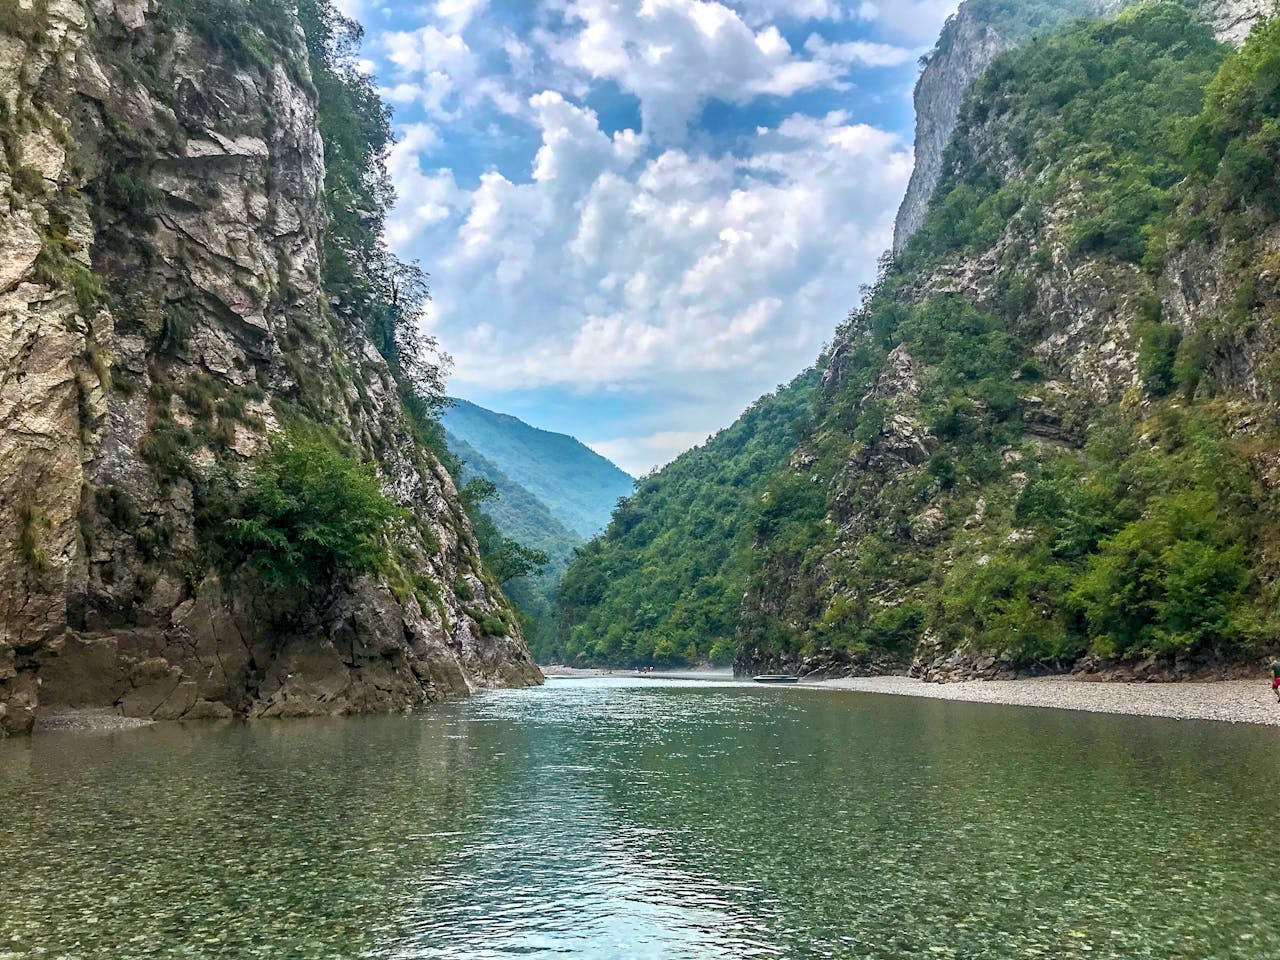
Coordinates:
[1221,701]
[555,670]
[1224,701]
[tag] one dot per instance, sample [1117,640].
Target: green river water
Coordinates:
[649,819]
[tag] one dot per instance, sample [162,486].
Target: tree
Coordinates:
[362,276]
[512,560]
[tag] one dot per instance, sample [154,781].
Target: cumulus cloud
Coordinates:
[609,265]
[436,68]
[675,55]
[689,265]
[458,13]
[858,52]
[918,20]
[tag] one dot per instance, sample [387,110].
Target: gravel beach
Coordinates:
[1231,701]
[89,721]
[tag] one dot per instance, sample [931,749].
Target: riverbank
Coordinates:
[89,721]
[586,673]
[1228,701]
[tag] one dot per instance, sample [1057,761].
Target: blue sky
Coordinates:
[640,215]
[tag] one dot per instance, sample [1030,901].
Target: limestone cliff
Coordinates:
[1059,393]
[161,313]
[970,41]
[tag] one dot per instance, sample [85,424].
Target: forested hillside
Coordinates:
[514,510]
[512,523]
[529,528]
[576,484]
[1048,437]
[664,583]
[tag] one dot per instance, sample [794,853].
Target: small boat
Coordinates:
[776,678]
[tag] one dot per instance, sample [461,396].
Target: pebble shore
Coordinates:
[1230,701]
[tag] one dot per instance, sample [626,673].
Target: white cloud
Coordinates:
[689,268]
[458,13]
[439,71]
[917,20]
[424,198]
[613,267]
[675,55]
[638,455]
[859,52]
[765,11]
[436,69]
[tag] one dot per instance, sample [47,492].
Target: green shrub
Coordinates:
[29,182]
[119,508]
[30,523]
[56,266]
[252,31]
[304,514]
[871,422]
[167,447]
[897,628]
[1170,582]
[492,626]
[1157,357]
[1195,353]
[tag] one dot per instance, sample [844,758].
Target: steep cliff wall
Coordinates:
[1048,438]
[971,40]
[162,315]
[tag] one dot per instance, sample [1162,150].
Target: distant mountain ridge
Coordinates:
[578,487]
[554,493]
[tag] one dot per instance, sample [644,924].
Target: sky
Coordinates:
[641,215]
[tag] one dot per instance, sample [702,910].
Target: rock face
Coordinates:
[971,40]
[861,594]
[1233,19]
[161,311]
[967,47]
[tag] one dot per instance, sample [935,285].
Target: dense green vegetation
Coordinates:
[578,486]
[305,513]
[1142,527]
[1099,108]
[664,583]
[1139,544]
[1136,544]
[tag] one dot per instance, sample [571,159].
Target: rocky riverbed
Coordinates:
[1231,701]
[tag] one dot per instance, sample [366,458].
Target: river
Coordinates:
[618,818]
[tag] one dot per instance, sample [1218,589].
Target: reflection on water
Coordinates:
[649,819]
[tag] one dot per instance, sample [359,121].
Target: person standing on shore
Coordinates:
[1275,678]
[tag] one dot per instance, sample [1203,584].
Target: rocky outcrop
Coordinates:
[967,47]
[1233,19]
[970,41]
[868,586]
[161,312]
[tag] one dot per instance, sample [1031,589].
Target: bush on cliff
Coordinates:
[304,514]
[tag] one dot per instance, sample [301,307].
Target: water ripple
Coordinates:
[642,819]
